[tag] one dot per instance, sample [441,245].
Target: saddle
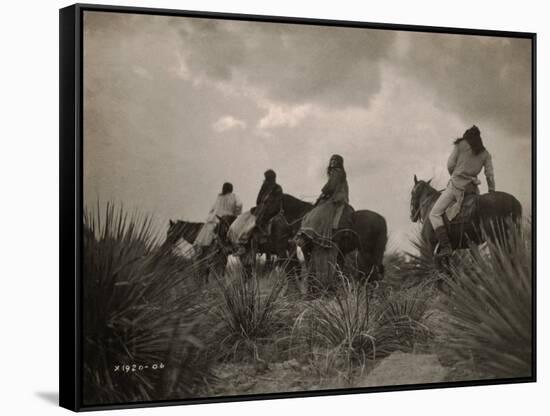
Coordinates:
[264,237]
[468,210]
[344,218]
[339,227]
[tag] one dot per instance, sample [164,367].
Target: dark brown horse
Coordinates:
[257,244]
[496,211]
[368,237]
[211,259]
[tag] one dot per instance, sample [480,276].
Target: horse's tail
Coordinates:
[380,247]
[517,210]
[373,237]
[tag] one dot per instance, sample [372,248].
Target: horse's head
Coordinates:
[182,229]
[173,233]
[418,190]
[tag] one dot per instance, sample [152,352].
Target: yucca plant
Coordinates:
[406,312]
[422,266]
[344,323]
[352,324]
[414,267]
[353,329]
[491,314]
[249,312]
[140,315]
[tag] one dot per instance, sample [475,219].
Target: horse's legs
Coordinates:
[340,260]
[366,267]
[305,273]
[269,263]
[250,260]
[219,263]
[203,268]
[292,269]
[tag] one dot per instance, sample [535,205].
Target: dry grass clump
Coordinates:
[249,312]
[350,331]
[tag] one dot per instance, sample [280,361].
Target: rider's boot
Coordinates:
[301,240]
[240,251]
[198,250]
[445,249]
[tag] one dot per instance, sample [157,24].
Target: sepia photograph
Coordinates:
[282,207]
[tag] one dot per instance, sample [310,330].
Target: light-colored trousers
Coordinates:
[449,196]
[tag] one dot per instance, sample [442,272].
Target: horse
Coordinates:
[496,212]
[257,244]
[216,255]
[367,237]
[180,229]
[212,259]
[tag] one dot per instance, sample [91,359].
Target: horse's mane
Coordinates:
[429,189]
[297,201]
[425,195]
[184,229]
[187,223]
[294,208]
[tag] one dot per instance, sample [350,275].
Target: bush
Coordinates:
[249,313]
[138,309]
[412,268]
[491,312]
[353,329]
[406,312]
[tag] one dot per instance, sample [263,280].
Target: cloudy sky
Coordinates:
[173,107]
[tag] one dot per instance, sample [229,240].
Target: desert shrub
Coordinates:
[343,323]
[359,325]
[138,309]
[350,324]
[249,310]
[414,267]
[406,311]
[491,310]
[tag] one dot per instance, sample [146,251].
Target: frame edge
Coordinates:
[70,221]
[69,190]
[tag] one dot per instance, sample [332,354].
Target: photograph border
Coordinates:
[71,201]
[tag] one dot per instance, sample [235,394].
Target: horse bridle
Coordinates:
[281,213]
[417,214]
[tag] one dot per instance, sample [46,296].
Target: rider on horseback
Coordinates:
[268,202]
[469,156]
[226,204]
[319,223]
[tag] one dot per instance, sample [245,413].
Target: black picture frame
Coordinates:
[71,200]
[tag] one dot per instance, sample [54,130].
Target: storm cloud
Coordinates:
[481,78]
[174,107]
[292,64]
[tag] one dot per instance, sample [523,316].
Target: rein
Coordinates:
[281,213]
[423,204]
[419,210]
[291,223]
